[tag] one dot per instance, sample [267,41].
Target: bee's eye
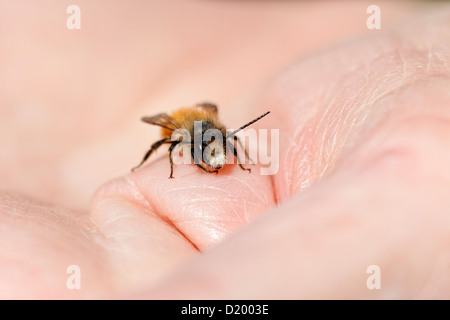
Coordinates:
[205,126]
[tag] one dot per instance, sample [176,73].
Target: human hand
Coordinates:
[362,181]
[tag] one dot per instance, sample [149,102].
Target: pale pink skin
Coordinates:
[364,153]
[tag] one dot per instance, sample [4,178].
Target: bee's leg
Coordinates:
[172,146]
[154,146]
[207,170]
[237,157]
[236,138]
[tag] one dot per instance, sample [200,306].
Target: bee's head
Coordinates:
[214,155]
[211,148]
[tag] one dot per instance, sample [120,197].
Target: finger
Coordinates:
[383,200]
[204,208]
[38,245]
[386,207]
[327,102]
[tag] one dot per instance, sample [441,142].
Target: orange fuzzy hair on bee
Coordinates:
[185,118]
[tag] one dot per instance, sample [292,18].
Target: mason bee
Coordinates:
[197,121]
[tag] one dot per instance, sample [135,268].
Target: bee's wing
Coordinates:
[208,106]
[162,120]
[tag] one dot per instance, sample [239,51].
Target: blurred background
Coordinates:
[71,100]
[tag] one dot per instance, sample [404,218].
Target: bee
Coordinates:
[196,121]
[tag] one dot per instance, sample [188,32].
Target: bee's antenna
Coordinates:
[247,124]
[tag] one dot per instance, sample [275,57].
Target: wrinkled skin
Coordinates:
[364,151]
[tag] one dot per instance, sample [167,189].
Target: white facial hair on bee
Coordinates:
[213,154]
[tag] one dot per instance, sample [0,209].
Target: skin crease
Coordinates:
[363,174]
